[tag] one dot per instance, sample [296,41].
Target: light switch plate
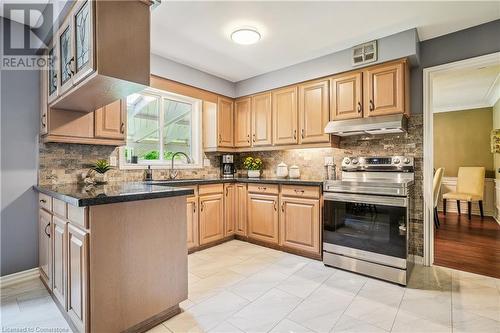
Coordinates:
[112,161]
[328,160]
[206,162]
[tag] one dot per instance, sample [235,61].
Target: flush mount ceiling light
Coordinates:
[245,36]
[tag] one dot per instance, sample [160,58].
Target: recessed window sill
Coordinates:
[162,166]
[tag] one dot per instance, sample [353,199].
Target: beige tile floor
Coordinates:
[241,287]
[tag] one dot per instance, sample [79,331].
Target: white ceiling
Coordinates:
[197,33]
[466,88]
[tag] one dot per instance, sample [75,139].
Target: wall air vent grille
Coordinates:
[364,53]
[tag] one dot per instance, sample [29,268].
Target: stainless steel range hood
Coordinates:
[372,125]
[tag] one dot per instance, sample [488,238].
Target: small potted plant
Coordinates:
[99,169]
[253,165]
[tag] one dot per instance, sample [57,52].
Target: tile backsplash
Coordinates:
[65,163]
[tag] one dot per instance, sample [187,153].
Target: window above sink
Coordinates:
[160,123]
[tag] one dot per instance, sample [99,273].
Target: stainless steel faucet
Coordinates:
[173,173]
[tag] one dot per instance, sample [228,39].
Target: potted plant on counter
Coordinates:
[99,169]
[253,165]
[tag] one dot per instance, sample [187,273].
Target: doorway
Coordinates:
[461,112]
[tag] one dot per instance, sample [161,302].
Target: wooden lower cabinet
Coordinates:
[300,224]
[229,209]
[211,218]
[240,203]
[45,246]
[59,234]
[192,222]
[78,276]
[263,217]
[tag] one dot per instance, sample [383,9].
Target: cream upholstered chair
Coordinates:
[436,188]
[470,187]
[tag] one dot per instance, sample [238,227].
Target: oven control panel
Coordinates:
[377,163]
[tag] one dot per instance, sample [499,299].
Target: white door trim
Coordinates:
[428,163]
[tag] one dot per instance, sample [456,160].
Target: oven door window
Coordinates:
[369,227]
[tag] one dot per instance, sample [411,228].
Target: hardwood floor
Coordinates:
[472,246]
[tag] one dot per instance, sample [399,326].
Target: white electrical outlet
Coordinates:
[328,160]
[206,162]
[112,161]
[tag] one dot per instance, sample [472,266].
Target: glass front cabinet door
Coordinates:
[51,77]
[82,17]
[65,57]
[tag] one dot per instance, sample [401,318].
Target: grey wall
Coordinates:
[19,117]
[464,44]
[403,44]
[184,74]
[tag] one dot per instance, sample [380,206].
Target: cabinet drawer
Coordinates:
[263,188]
[78,216]
[59,207]
[211,189]
[45,201]
[300,191]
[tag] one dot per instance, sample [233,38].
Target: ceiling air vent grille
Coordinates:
[364,53]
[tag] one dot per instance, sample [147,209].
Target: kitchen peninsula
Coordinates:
[114,256]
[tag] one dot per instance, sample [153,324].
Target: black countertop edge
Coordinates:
[76,199]
[284,181]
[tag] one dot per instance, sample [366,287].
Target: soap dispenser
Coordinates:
[148,174]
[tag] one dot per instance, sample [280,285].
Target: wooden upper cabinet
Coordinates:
[242,122]
[78,263]
[261,120]
[211,218]
[384,89]
[263,217]
[300,224]
[45,246]
[314,111]
[285,117]
[229,209]
[346,96]
[240,204]
[89,77]
[225,122]
[192,222]
[110,121]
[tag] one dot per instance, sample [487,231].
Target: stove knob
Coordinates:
[406,160]
[347,161]
[354,161]
[396,161]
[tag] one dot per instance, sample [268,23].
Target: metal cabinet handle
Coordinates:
[302,133]
[299,191]
[48,225]
[122,128]
[283,207]
[194,207]
[43,117]
[201,206]
[227,189]
[274,204]
[262,188]
[254,137]
[360,107]
[43,200]
[295,134]
[248,138]
[220,138]
[372,105]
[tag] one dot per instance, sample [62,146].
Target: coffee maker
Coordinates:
[227,166]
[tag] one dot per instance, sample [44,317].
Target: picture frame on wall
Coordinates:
[495,141]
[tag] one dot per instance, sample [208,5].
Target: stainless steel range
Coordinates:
[366,217]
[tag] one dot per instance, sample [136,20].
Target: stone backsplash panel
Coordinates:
[65,163]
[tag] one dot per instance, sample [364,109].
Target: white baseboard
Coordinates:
[8,280]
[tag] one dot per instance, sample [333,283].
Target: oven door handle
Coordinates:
[366,199]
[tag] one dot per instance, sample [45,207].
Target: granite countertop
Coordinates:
[285,181]
[81,195]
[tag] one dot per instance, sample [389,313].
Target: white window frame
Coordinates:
[196,137]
